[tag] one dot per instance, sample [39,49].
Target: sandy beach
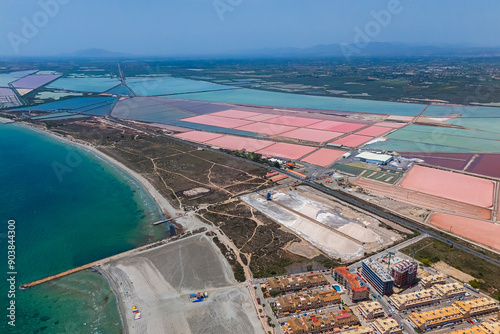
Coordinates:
[159,281]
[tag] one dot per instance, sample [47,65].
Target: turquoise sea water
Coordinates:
[89,212]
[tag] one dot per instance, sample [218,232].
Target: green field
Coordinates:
[371,173]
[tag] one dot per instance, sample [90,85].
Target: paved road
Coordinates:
[337,194]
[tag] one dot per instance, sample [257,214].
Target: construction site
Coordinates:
[335,228]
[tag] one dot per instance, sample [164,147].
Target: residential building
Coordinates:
[404,273]
[386,326]
[311,324]
[306,301]
[449,290]
[427,296]
[350,282]
[379,279]
[484,328]
[476,307]
[432,319]
[414,299]
[345,318]
[353,330]
[370,310]
[431,280]
[459,311]
[323,322]
[295,282]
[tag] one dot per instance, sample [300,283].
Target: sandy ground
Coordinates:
[159,282]
[5,120]
[303,248]
[359,232]
[314,232]
[449,270]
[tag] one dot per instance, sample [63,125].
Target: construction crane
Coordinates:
[389,262]
[389,253]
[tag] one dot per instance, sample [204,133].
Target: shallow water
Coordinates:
[70,208]
[266,98]
[93,85]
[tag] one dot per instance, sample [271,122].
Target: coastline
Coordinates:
[165,208]
[119,302]
[162,203]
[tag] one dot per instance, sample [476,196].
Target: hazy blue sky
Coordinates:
[180,27]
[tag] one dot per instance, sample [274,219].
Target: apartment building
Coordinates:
[370,310]
[350,282]
[306,301]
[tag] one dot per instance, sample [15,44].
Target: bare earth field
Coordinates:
[453,272]
[159,282]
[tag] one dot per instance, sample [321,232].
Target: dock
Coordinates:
[167,220]
[92,264]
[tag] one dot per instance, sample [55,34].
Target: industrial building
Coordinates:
[378,278]
[305,302]
[370,310]
[386,326]
[374,158]
[350,282]
[404,273]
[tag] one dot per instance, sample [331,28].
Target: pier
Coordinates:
[92,264]
[167,220]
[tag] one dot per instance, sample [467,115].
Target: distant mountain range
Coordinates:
[96,53]
[372,49]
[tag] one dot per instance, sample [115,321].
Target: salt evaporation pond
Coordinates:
[266,98]
[152,86]
[92,85]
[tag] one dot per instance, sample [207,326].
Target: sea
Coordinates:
[68,208]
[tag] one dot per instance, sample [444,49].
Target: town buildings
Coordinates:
[350,282]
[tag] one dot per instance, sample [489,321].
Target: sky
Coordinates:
[204,27]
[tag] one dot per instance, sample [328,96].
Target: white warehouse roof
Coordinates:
[374,156]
